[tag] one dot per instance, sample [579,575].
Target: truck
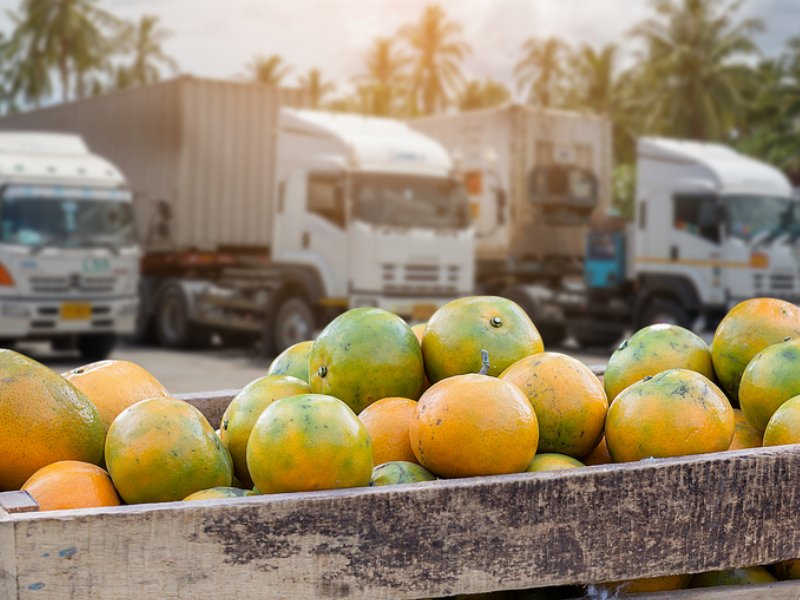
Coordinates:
[711,226]
[260,219]
[68,252]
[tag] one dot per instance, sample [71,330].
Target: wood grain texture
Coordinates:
[8,559]
[211,404]
[17,502]
[602,523]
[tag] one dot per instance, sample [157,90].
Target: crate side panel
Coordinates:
[463,536]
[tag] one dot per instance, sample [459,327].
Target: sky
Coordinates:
[216,38]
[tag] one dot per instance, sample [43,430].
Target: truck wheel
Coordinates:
[173,327]
[96,347]
[662,310]
[292,321]
[597,339]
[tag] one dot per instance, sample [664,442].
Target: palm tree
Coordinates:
[694,82]
[483,94]
[316,87]
[385,75]
[594,84]
[540,70]
[269,70]
[66,35]
[438,52]
[145,41]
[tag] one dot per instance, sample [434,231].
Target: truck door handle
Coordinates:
[673,253]
[306,240]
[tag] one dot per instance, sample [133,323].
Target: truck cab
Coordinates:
[68,252]
[712,228]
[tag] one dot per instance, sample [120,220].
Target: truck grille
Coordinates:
[781,282]
[422,279]
[61,285]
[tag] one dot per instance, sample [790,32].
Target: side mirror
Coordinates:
[500,198]
[164,210]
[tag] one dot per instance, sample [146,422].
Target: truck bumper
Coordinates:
[410,308]
[43,319]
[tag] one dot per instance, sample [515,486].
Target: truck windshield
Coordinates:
[66,218]
[401,200]
[752,215]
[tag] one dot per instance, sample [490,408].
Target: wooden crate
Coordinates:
[601,523]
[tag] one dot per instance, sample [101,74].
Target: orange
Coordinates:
[744,434]
[308,442]
[649,584]
[364,355]
[474,425]
[600,455]
[784,426]
[71,484]
[162,450]
[43,419]
[654,349]
[787,569]
[292,361]
[568,398]
[245,408]
[219,492]
[387,423]
[113,385]
[744,576]
[419,331]
[459,330]
[674,413]
[553,462]
[746,330]
[399,471]
[768,381]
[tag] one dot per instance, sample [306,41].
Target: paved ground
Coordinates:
[205,370]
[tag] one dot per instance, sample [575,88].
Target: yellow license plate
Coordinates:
[422,312]
[76,311]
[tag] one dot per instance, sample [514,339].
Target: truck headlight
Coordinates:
[15,311]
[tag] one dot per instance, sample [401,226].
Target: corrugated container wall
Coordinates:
[521,138]
[205,147]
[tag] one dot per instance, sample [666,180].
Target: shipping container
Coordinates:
[203,147]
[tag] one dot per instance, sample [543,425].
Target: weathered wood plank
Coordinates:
[602,523]
[17,502]
[783,590]
[211,404]
[8,559]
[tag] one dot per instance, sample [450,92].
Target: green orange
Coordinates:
[654,349]
[787,569]
[744,576]
[43,419]
[457,332]
[768,381]
[220,492]
[292,361]
[600,455]
[470,425]
[784,426]
[399,471]
[308,442]
[240,416]
[674,413]
[551,461]
[162,450]
[364,355]
[568,398]
[746,330]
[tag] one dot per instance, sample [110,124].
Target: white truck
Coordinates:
[712,227]
[259,219]
[68,254]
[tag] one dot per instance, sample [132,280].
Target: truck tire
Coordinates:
[664,310]
[291,321]
[94,347]
[173,325]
